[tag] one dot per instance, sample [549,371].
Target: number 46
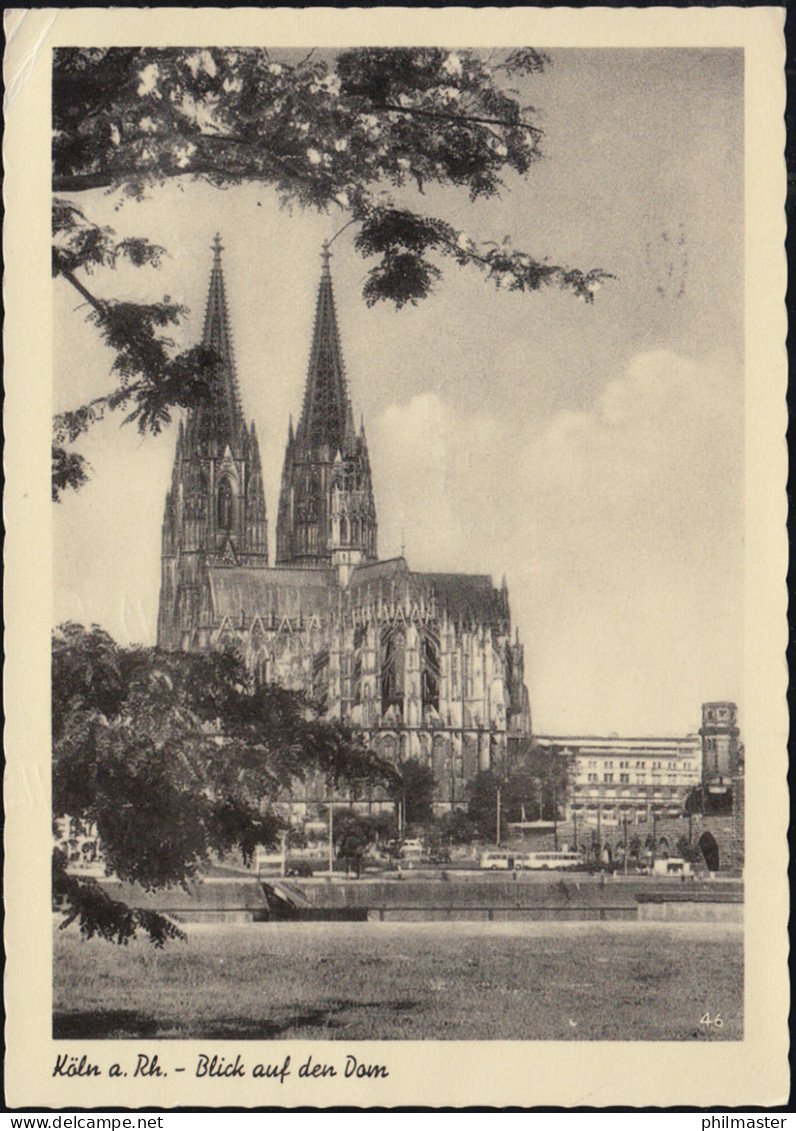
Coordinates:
[707,1020]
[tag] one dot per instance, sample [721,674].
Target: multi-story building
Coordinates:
[423,664]
[627,780]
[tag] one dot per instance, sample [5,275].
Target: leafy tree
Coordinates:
[297,838]
[482,804]
[695,801]
[540,780]
[174,758]
[521,797]
[340,754]
[364,132]
[689,851]
[414,791]
[536,788]
[353,836]
[457,828]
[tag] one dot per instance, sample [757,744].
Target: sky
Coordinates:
[592,454]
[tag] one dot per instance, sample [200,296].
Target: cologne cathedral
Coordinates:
[422,663]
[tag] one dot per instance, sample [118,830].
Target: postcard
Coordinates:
[395,573]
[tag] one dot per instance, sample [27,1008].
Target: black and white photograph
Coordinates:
[398,641]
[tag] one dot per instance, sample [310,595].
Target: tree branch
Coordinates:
[464,119]
[82,182]
[98,304]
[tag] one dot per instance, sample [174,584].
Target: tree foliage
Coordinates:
[152,377]
[353,836]
[689,851]
[535,789]
[175,759]
[414,789]
[358,132]
[539,782]
[482,804]
[456,828]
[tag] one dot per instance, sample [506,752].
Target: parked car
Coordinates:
[411,850]
[671,866]
[300,868]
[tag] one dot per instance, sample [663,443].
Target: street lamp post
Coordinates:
[555,816]
[331,838]
[654,833]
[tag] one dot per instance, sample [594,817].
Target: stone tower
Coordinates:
[719,734]
[327,515]
[215,509]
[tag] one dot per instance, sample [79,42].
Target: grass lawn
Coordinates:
[407,981]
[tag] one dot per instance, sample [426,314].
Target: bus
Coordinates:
[542,861]
[494,860]
[269,863]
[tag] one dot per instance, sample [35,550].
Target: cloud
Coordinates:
[661,418]
[656,464]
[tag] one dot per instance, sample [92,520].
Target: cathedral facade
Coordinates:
[423,664]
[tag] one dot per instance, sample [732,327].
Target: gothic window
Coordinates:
[343,530]
[224,505]
[467,675]
[356,666]
[393,651]
[346,664]
[430,674]
[313,487]
[320,678]
[355,531]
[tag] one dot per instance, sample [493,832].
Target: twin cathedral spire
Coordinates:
[421,664]
[215,513]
